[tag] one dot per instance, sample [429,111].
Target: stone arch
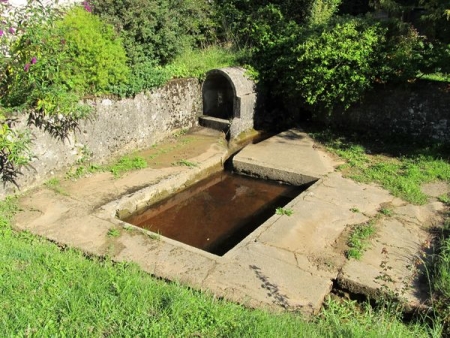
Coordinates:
[229,100]
[218,96]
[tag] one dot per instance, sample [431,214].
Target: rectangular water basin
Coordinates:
[217,213]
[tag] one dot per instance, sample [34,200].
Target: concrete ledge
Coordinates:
[288,157]
[214,123]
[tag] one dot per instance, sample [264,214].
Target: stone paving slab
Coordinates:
[288,157]
[288,262]
[390,266]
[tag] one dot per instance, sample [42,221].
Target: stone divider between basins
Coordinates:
[116,127]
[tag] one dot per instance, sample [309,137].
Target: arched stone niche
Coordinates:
[229,100]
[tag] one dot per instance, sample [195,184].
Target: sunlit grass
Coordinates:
[438,77]
[195,63]
[401,175]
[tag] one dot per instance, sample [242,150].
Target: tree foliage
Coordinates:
[238,17]
[158,30]
[323,66]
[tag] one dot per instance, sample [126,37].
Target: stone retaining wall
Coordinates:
[418,111]
[117,127]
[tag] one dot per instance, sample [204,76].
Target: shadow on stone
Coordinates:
[273,289]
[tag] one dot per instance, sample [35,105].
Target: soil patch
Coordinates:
[177,149]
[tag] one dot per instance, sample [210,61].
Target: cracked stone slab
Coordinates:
[140,249]
[44,208]
[189,267]
[423,215]
[266,280]
[312,227]
[391,265]
[347,194]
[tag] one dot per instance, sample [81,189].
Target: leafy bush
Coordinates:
[238,18]
[95,54]
[401,55]
[143,76]
[325,65]
[14,151]
[51,59]
[157,31]
[58,59]
[334,65]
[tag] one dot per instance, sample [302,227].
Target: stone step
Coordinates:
[214,123]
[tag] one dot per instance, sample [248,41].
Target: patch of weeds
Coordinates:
[185,163]
[128,227]
[55,185]
[196,62]
[155,236]
[358,239]
[355,210]
[83,170]
[438,275]
[401,174]
[437,76]
[83,166]
[283,211]
[113,232]
[186,140]
[180,132]
[126,164]
[445,198]
[86,155]
[386,212]
[8,208]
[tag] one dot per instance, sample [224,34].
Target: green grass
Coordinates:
[402,167]
[118,168]
[82,170]
[438,269]
[438,77]
[358,239]
[402,175]
[55,185]
[113,232]
[386,212]
[195,63]
[444,198]
[47,291]
[126,164]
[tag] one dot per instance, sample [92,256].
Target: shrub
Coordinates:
[57,59]
[144,75]
[238,18]
[94,52]
[157,31]
[196,62]
[324,65]
[50,60]
[401,55]
[14,151]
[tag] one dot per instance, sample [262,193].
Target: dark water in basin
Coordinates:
[217,213]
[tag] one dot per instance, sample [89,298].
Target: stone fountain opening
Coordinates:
[229,101]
